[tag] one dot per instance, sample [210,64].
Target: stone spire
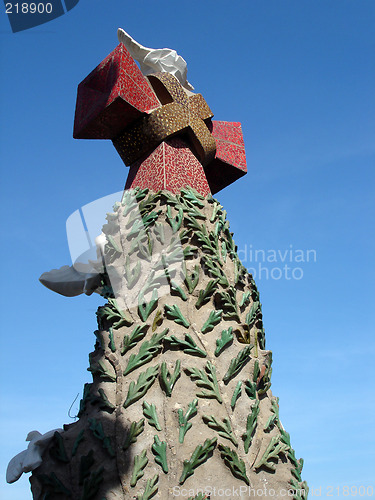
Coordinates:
[180,402]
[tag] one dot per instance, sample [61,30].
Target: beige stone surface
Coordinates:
[110,472]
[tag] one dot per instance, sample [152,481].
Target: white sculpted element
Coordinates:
[156,60]
[29,459]
[69,282]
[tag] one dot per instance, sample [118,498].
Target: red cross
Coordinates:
[115,99]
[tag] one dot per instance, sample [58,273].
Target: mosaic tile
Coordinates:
[179,113]
[171,166]
[229,163]
[116,78]
[165,134]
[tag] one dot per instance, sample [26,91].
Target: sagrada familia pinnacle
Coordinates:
[180,403]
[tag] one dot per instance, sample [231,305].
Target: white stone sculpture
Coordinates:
[31,458]
[156,60]
[70,282]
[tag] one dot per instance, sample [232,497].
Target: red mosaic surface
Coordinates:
[113,95]
[230,159]
[171,166]
[230,147]
[117,102]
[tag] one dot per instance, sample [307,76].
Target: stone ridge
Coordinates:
[180,398]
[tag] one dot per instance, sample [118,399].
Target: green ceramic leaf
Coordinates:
[217,230]
[183,423]
[112,312]
[85,464]
[138,389]
[207,380]
[224,251]
[208,242]
[234,464]
[250,389]
[229,304]
[273,450]
[206,294]
[150,488]
[216,209]
[237,363]
[136,428]
[188,252]
[101,369]
[213,269]
[147,205]
[264,382]
[236,394]
[177,290]
[256,371]
[129,203]
[57,449]
[274,417]
[77,442]
[191,211]
[224,428]
[192,279]
[174,313]
[201,453]
[297,471]
[104,403]
[170,198]
[132,275]
[159,449]
[98,432]
[158,231]
[188,345]
[112,249]
[252,315]
[261,338]
[185,235]
[149,218]
[224,341]
[140,462]
[250,426]
[148,350]
[175,222]
[245,299]
[144,310]
[92,484]
[131,340]
[140,194]
[54,484]
[192,196]
[149,411]
[112,345]
[167,379]
[213,319]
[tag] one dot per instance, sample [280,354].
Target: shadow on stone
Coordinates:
[85,461]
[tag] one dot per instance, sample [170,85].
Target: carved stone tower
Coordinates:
[180,404]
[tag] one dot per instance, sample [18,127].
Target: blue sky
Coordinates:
[299,76]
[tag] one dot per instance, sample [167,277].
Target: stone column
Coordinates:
[180,398]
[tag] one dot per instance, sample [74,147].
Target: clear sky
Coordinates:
[299,76]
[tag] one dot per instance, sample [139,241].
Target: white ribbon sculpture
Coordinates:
[156,60]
